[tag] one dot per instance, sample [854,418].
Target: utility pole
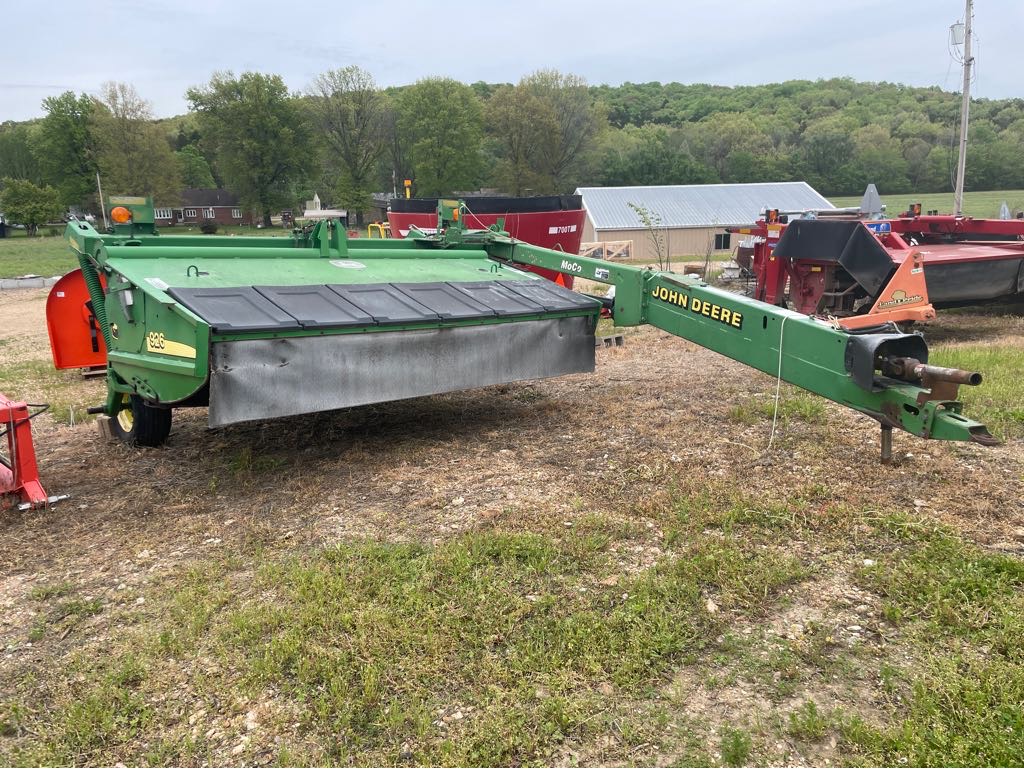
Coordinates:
[103,205]
[965,109]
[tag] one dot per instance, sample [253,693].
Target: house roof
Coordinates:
[696,205]
[192,196]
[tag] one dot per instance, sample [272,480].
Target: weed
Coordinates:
[807,722]
[38,630]
[46,592]
[97,718]
[794,404]
[735,746]
[77,608]
[245,463]
[12,716]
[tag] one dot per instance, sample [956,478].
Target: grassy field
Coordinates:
[997,402]
[502,648]
[522,576]
[48,255]
[983,205]
[44,256]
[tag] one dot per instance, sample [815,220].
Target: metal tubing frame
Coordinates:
[805,351]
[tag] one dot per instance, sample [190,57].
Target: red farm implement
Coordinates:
[19,475]
[864,270]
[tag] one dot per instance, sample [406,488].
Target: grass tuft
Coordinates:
[794,405]
[735,746]
[807,722]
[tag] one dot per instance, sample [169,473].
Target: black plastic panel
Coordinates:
[446,301]
[504,301]
[847,242]
[385,303]
[550,296]
[316,306]
[280,308]
[238,308]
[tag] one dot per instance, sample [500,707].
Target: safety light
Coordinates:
[120,214]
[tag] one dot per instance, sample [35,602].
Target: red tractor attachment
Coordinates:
[831,267]
[19,474]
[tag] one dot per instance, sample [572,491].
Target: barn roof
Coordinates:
[696,205]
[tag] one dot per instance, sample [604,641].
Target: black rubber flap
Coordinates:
[849,243]
[550,296]
[316,306]
[446,301]
[238,308]
[505,302]
[385,303]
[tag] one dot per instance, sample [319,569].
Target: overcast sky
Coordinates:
[164,47]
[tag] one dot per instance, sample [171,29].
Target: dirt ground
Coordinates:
[657,414]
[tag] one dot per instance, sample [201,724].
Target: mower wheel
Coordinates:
[139,424]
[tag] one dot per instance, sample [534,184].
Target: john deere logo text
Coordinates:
[699,306]
[899,297]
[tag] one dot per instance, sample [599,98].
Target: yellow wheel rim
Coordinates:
[124,416]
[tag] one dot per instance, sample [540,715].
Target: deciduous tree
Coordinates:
[514,117]
[260,140]
[651,155]
[350,114]
[132,152]
[25,203]
[17,160]
[65,146]
[547,125]
[440,125]
[195,171]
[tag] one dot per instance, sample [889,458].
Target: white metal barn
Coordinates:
[693,216]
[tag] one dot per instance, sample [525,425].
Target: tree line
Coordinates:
[346,138]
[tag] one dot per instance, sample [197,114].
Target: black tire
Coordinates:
[139,424]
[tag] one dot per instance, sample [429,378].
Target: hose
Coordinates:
[99,306]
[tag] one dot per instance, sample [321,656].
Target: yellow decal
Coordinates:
[157,342]
[126,200]
[699,306]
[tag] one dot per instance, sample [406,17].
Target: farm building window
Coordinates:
[190,213]
[236,213]
[162,213]
[722,241]
[208,213]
